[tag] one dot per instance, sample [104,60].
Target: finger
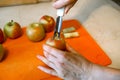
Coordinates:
[54,65]
[50,57]
[53,51]
[54,60]
[50,64]
[67,8]
[47,70]
[70,49]
[57,62]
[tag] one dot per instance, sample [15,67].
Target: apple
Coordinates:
[48,23]
[57,42]
[12,29]
[1,36]
[35,32]
[2,52]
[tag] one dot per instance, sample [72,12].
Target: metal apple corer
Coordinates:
[59,20]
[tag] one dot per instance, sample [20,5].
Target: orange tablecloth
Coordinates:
[20,62]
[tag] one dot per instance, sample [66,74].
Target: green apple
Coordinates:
[1,52]
[12,30]
[35,32]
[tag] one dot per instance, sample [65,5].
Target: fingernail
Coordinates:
[40,67]
[45,47]
[38,56]
[66,11]
[45,53]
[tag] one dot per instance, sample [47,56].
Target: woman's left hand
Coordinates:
[68,65]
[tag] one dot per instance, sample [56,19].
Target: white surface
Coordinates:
[105,28]
[104,25]
[25,14]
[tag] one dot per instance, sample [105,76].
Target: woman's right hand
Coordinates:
[68,4]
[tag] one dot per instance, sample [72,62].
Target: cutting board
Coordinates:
[20,62]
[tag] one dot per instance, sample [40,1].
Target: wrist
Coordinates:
[104,73]
[87,71]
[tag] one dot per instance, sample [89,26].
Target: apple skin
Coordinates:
[2,38]
[48,23]
[35,32]
[2,52]
[12,30]
[56,42]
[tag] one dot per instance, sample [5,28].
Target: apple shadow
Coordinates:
[5,54]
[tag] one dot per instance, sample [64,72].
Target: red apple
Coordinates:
[2,52]
[57,42]
[1,36]
[12,30]
[48,23]
[35,32]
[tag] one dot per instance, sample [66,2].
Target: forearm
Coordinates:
[105,73]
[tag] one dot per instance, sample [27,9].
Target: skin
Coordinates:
[69,64]
[68,4]
[62,62]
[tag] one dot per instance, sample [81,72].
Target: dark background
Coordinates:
[117,1]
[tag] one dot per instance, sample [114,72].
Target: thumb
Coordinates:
[70,49]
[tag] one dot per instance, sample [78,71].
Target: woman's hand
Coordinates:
[68,65]
[68,4]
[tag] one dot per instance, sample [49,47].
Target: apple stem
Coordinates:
[10,23]
[11,20]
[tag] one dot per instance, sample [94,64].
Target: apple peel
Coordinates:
[71,35]
[69,29]
[58,43]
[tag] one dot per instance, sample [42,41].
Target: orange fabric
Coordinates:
[20,62]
